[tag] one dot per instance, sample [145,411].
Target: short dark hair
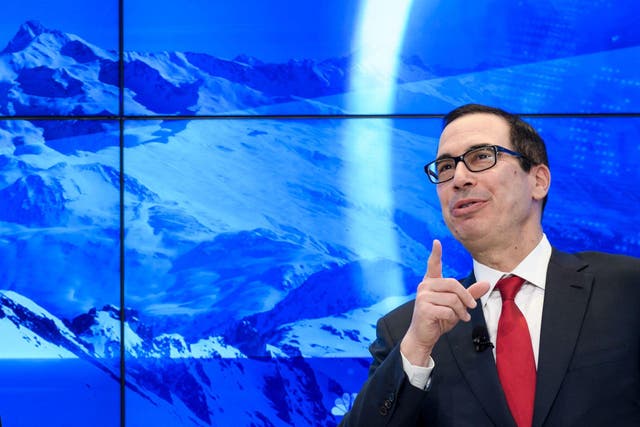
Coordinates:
[524,138]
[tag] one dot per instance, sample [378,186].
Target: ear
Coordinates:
[541,176]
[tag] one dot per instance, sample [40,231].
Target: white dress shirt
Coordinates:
[529,299]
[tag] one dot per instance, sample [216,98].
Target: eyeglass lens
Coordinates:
[476,160]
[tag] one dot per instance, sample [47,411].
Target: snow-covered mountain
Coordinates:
[181,383]
[230,225]
[48,72]
[200,260]
[29,331]
[252,266]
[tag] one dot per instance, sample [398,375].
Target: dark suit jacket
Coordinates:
[588,365]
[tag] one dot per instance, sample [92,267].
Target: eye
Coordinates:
[480,155]
[444,165]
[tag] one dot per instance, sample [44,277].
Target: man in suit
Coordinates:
[567,345]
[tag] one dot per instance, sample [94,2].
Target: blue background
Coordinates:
[250,188]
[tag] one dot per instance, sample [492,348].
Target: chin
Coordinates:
[470,235]
[468,228]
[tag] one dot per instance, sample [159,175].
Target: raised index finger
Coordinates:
[434,263]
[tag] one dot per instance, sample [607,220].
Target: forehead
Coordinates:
[473,129]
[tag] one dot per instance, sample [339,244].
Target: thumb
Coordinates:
[478,289]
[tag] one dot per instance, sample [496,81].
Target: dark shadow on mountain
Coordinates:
[175,225]
[237,272]
[330,292]
[68,137]
[303,78]
[157,93]
[49,82]
[171,379]
[34,201]
[168,129]
[108,72]
[79,51]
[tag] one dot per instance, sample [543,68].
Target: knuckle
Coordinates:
[443,313]
[451,300]
[451,315]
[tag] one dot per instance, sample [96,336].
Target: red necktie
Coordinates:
[514,354]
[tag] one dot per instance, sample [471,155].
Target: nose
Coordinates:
[463,177]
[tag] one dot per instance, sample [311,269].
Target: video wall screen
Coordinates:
[243,186]
[270,258]
[60,272]
[407,57]
[333,57]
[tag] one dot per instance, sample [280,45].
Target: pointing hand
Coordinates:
[440,304]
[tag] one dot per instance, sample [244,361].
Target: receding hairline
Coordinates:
[507,127]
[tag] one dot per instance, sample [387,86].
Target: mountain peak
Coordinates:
[33,26]
[27,32]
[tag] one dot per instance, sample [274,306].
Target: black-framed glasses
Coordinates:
[476,159]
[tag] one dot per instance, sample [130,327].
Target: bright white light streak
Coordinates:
[368,183]
[377,48]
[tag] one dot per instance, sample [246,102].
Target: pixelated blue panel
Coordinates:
[59,59]
[60,272]
[260,253]
[335,57]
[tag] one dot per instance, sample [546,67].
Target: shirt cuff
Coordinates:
[419,376]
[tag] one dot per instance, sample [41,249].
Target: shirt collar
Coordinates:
[533,268]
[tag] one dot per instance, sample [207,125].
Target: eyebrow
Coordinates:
[450,156]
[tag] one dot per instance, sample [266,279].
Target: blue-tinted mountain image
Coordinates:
[167,384]
[209,245]
[257,254]
[48,72]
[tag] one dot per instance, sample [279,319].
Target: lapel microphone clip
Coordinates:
[480,338]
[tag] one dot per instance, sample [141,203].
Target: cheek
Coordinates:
[443,201]
[516,200]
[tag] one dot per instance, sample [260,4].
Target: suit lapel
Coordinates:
[479,368]
[566,297]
